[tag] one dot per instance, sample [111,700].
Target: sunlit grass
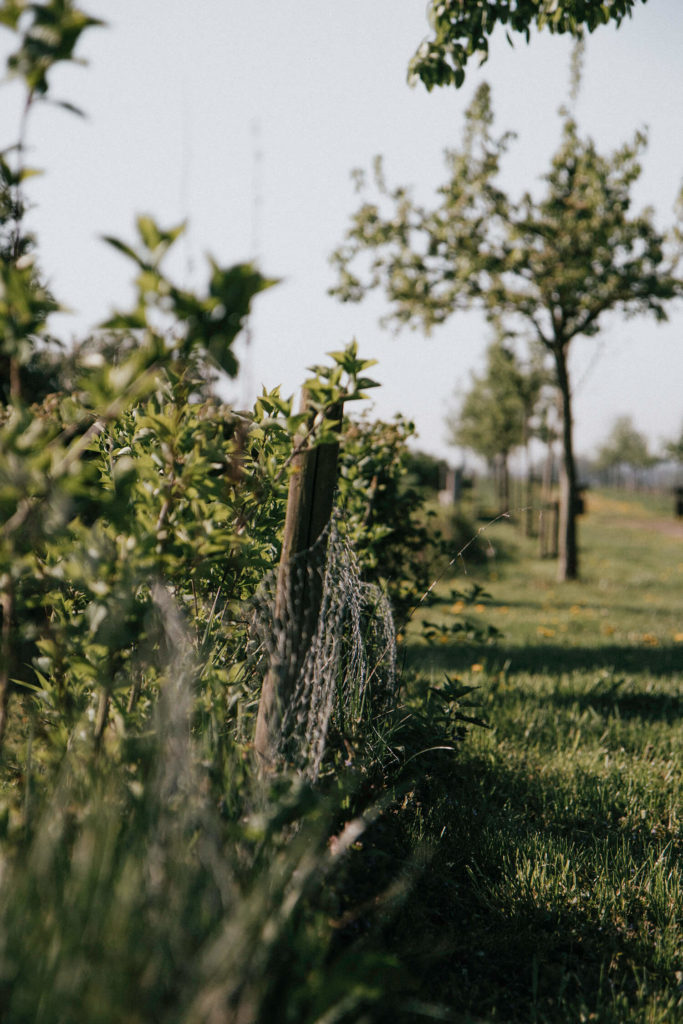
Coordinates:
[556,834]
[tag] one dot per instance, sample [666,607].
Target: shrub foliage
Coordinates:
[146,870]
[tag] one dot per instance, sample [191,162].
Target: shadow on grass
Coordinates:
[550,658]
[471,934]
[650,707]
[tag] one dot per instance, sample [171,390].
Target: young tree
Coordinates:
[493,418]
[553,266]
[461,28]
[674,449]
[625,448]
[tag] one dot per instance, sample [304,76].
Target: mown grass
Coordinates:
[552,888]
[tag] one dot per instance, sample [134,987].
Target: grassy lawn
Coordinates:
[552,889]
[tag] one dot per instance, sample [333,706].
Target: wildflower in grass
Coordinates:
[575,609]
[457,607]
[503,609]
[650,640]
[545,631]
[607,629]
[476,667]
[678,638]
[480,608]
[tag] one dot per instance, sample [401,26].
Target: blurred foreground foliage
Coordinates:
[147,871]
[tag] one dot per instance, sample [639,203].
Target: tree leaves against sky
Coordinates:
[550,267]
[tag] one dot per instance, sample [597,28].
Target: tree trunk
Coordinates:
[528,495]
[505,483]
[502,482]
[568,564]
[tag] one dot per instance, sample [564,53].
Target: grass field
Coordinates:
[552,890]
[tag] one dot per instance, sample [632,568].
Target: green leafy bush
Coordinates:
[384,513]
[147,869]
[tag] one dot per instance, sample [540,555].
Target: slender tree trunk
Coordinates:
[547,476]
[568,564]
[528,496]
[502,483]
[506,483]
[547,528]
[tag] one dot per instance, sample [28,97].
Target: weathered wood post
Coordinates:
[549,529]
[299,587]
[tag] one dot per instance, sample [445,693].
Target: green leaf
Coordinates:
[11,11]
[70,107]
[126,250]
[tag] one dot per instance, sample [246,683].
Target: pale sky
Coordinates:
[173,92]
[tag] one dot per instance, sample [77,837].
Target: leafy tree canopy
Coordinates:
[461,30]
[490,420]
[494,416]
[625,446]
[551,266]
[674,449]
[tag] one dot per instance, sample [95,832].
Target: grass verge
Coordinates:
[552,887]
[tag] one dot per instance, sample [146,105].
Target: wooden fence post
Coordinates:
[549,528]
[299,590]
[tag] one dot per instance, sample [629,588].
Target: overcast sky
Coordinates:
[247,118]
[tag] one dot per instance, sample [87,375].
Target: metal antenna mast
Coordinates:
[254,242]
[256,188]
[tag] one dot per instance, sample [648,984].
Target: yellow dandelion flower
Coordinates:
[678,638]
[476,667]
[457,607]
[650,640]
[480,607]
[545,631]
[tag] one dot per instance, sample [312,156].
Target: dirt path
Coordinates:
[668,527]
[623,513]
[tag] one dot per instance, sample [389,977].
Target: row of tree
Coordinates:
[507,406]
[512,403]
[546,268]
